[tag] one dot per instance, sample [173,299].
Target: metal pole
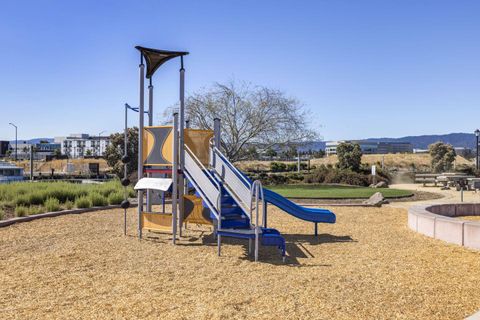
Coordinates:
[476,162]
[125,168]
[217,132]
[175,177]
[16,144]
[298,161]
[257,228]
[31,162]
[140,143]
[216,140]
[181,146]
[150,123]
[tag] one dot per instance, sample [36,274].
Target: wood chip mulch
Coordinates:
[367,266]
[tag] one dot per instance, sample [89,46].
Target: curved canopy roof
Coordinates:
[155,58]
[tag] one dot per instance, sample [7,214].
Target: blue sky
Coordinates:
[363,68]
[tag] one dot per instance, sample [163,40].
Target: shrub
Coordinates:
[278,167]
[291,167]
[36,198]
[62,195]
[131,192]
[115,198]
[349,156]
[21,211]
[52,204]
[36,210]
[276,179]
[443,156]
[98,200]
[69,205]
[295,176]
[83,202]
[1,214]
[22,200]
[326,175]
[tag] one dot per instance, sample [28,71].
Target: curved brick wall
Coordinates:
[437,221]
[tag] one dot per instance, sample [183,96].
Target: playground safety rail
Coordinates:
[238,183]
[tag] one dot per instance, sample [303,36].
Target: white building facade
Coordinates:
[82,145]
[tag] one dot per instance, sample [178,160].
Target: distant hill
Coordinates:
[466,140]
[33,141]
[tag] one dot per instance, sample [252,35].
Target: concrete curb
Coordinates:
[5,223]
[475,316]
[438,221]
[337,205]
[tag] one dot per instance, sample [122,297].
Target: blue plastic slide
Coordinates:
[315,215]
[307,214]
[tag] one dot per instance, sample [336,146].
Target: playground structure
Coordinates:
[205,186]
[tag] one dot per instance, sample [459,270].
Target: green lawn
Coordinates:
[335,192]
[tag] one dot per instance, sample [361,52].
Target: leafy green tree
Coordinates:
[114,152]
[443,155]
[270,153]
[349,156]
[251,153]
[291,152]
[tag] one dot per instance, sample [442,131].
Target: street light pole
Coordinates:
[16,139]
[477,133]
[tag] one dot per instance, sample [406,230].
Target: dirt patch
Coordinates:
[367,265]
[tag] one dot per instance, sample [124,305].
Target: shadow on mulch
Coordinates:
[295,246]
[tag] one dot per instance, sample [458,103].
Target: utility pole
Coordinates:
[31,162]
[477,133]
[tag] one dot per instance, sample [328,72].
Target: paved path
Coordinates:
[448,196]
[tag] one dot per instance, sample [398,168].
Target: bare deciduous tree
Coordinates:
[250,115]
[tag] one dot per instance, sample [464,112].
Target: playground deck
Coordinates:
[368,265]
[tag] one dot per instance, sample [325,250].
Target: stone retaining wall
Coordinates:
[438,221]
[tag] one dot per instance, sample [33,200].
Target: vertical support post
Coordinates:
[298,161]
[216,140]
[185,182]
[175,177]
[181,146]
[140,142]
[265,208]
[216,132]
[16,144]
[257,227]
[125,168]
[316,229]
[31,162]
[476,158]
[150,123]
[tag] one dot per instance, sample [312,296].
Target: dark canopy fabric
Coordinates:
[155,58]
